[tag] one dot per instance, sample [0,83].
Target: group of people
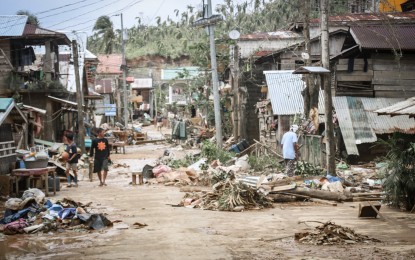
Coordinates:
[99,155]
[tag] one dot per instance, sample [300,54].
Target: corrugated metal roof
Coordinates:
[12,25]
[385,37]
[406,107]
[369,18]
[270,35]
[284,91]
[311,70]
[8,105]
[359,123]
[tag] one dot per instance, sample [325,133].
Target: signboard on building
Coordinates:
[110,109]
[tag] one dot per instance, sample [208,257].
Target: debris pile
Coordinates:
[228,195]
[331,234]
[32,214]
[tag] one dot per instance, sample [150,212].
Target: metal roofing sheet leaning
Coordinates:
[284,91]
[12,25]
[359,123]
[346,124]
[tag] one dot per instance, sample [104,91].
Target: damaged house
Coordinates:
[372,64]
[30,78]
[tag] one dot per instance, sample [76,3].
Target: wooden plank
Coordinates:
[394,88]
[354,78]
[284,188]
[395,94]
[356,61]
[7,155]
[8,142]
[393,81]
[402,61]
[327,202]
[356,73]
[394,75]
[393,67]
[356,67]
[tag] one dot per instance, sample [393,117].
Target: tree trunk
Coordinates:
[325,59]
[319,194]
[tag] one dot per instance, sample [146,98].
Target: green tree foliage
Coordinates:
[399,182]
[176,36]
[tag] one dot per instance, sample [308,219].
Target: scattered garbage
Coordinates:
[31,214]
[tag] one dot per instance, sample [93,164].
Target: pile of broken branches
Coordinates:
[230,195]
[331,234]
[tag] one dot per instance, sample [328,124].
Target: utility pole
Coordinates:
[215,80]
[124,75]
[79,98]
[326,83]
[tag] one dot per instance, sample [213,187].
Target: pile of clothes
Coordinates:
[32,213]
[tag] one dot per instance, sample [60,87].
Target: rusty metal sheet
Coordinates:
[385,37]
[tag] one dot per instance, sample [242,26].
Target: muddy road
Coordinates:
[184,233]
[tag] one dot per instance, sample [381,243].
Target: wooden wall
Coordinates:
[5,68]
[384,77]
[394,78]
[352,79]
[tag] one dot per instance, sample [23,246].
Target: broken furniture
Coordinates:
[134,178]
[31,175]
[368,210]
[116,145]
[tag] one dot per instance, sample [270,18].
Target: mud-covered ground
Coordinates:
[184,233]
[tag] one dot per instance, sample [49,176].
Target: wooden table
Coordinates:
[42,173]
[117,145]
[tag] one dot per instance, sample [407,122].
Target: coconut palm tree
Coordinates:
[105,29]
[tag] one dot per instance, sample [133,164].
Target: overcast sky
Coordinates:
[80,15]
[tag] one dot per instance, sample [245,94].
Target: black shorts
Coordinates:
[100,165]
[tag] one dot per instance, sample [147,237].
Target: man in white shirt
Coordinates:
[289,149]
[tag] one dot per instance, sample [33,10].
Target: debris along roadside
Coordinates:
[32,213]
[250,182]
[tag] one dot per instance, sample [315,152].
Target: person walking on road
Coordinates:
[72,161]
[289,149]
[101,149]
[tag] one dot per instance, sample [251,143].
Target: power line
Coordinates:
[51,15]
[113,2]
[60,7]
